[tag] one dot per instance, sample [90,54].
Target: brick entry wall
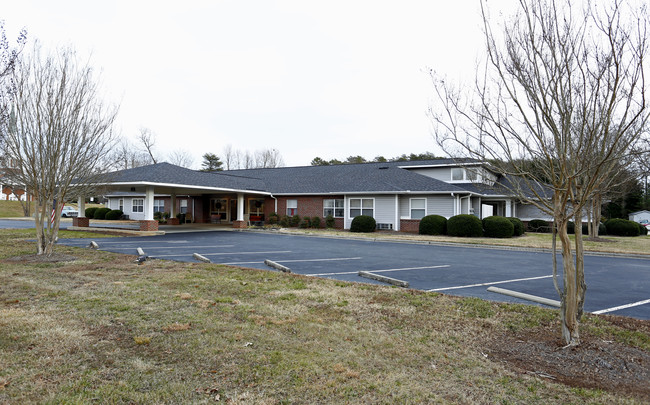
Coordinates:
[311,206]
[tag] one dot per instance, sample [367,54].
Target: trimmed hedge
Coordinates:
[622,227]
[517,225]
[464,225]
[363,223]
[539,225]
[329,221]
[90,212]
[433,225]
[114,214]
[100,213]
[498,227]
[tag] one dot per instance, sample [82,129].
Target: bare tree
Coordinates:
[8,58]
[267,158]
[126,156]
[563,89]
[181,158]
[148,140]
[58,134]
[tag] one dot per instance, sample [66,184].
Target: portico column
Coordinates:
[148,204]
[81,219]
[172,209]
[240,206]
[508,208]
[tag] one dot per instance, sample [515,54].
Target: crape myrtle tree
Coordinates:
[58,135]
[562,89]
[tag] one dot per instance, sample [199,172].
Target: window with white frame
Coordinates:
[292,207]
[462,174]
[183,206]
[138,205]
[121,204]
[158,206]
[334,208]
[362,206]
[418,208]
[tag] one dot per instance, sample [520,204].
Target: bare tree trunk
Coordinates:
[569,303]
[581,286]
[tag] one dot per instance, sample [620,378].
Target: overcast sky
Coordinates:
[308,78]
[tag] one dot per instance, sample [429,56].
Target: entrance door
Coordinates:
[233,210]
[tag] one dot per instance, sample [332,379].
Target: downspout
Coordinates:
[275,205]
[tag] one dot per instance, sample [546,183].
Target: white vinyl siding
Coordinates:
[438,173]
[527,212]
[383,212]
[436,205]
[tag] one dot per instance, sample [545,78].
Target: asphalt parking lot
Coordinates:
[616,285]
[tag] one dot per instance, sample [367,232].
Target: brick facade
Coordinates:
[146,225]
[239,224]
[409,225]
[81,222]
[308,206]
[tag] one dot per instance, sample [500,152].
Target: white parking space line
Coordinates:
[633,304]
[491,283]
[378,271]
[231,253]
[302,260]
[183,247]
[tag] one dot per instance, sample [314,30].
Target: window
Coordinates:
[418,208]
[334,208]
[362,206]
[138,205]
[121,203]
[461,174]
[292,207]
[158,206]
[183,207]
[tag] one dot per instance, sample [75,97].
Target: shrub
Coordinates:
[329,221]
[284,222]
[273,218]
[464,225]
[642,230]
[90,212]
[517,225]
[156,215]
[294,220]
[315,222]
[363,223]
[498,227]
[539,225]
[622,227]
[114,214]
[100,213]
[304,223]
[433,225]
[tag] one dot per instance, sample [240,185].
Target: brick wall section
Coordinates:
[173,221]
[239,224]
[148,225]
[81,221]
[311,206]
[409,225]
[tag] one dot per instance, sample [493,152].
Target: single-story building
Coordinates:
[396,194]
[640,216]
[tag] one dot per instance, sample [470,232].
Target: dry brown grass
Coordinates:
[103,329]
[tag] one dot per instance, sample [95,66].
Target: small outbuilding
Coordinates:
[640,216]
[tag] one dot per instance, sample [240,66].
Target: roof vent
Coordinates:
[383,167]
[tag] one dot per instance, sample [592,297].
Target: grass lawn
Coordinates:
[10,209]
[103,329]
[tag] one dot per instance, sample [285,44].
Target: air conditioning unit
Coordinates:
[385,227]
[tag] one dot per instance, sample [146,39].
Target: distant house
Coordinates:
[396,194]
[640,216]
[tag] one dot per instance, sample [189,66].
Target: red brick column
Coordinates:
[173,221]
[409,225]
[148,225]
[81,222]
[239,224]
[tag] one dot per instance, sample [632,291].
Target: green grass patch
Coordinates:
[103,329]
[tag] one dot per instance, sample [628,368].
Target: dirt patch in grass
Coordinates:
[54,258]
[600,362]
